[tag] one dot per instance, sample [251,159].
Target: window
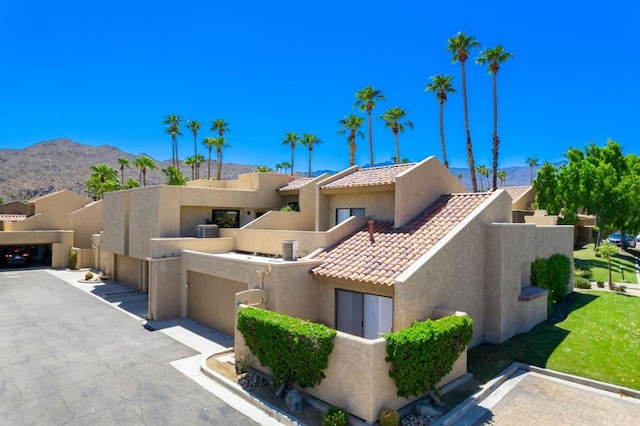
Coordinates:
[364,315]
[344,214]
[226,218]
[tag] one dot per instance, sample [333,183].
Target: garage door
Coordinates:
[212,301]
[127,271]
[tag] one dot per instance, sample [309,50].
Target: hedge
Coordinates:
[296,351]
[553,274]
[425,352]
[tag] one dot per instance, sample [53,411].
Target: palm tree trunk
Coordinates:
[395,137]
[496,139]
[195,147]
[177,157]
[352,150]
[370,138]
[472,168]
[292,148]
[209,169]
[444,150]
[310,151]
[219,172]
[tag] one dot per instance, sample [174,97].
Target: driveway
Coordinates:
[68,358]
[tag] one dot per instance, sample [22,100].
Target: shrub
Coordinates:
[73,259]
[600,284]
[553,274]
[335,416]
[296,351]
[581,282]
[425,352]
[584,273]
[88,276]
[622,288]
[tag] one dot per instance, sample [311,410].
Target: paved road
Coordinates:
[68,358]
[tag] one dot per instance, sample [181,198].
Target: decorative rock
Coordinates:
[426,410]
[293,400]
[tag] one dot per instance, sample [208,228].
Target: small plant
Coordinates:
[584,273]
[389,417]
[581,282]
[600,284]
[73,259]
[88,276]
[290,208]
[335,416]
[622,288]
[242,361]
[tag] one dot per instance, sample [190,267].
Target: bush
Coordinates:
[622,288]
[296,351]
[553,274]
[582,283]
[600,284]
[88,276]
[335,416]
[425,352]
[584,273]
[73,259]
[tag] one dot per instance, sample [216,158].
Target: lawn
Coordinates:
[599,339]
[585,259]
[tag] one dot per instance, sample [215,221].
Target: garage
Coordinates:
[25,256]
[212,300]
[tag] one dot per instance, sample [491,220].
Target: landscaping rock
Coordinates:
[293,400]
[427,410]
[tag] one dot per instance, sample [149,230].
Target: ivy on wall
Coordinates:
[425,352]
[296,351]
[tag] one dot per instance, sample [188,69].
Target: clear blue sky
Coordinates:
[109,72]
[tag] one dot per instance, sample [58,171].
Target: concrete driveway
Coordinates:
[68,358]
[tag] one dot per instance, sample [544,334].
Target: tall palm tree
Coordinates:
[483,171]
[532,162]
[441,85]
[174,177]
[199,159]
[352,124]
[173,128]
[190,161]
[309,141]
[194,126]
[494,56]
[220,126]
[291,139]
[286,166]
[502,175]
[103,179]
[219,142]
[123,162]
[460,45]
[395,119]
[366,101]
[209,142]
[144,163]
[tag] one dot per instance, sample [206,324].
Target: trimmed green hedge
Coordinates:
[425,352]
[553,274]
[296,351]
[73,259]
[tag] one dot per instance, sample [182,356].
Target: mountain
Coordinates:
[58,164]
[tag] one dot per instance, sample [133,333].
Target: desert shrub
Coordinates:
[88,276]
[600,284]
[335,416]
[294,350]
[581,282]
[425,352]
[73,259]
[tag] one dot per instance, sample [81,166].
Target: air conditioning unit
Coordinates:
[289,250]
[207,231]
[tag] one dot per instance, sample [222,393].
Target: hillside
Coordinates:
[58,164]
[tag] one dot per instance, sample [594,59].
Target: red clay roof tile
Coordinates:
[368,177]
[294,184]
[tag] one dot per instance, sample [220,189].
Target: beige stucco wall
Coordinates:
[115,237]
[164,288]
[556,239]
[420,186]
[85,222]
[525,201]
[277,220]
[170,247]
[64,201]
[378,205]
[452,274]
[14,207]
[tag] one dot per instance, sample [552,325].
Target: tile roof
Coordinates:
[516,192]
[294,184]
[12,217]
[395,249]
[368,177]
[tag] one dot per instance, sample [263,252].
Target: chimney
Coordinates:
[371,225]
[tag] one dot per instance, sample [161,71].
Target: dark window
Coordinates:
[344,214]
[226,218]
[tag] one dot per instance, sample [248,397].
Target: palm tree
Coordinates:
[209,143]
[482,170]
[194,126]
[286,166]
[220,126]
[502,175]
[532,162]
[219,143]
[174,177]
[395,119]
[278,167]
[366,101]
[494,57]
[173,128]
[144,163]
[131,183]
[199,159]
[459,176]
[460,45]
[351,123]
[441,85]
[309,141]
[190,162]
[123,162]
[291,139]
[103,179]
[262,169]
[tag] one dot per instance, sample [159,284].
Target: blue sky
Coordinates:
[109,72]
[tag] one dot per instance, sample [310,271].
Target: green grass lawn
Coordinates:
[599,339]
[585,259]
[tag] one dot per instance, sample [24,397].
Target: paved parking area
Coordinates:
[69,358]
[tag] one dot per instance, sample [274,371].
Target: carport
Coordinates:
[50,247]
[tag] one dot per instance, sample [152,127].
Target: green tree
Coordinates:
[351,124]
[291,139]
[209,142]
[199,160]
[172,123]
[547,191]
[131,183]
[144,163]
[191,163]
[278,167]
[395,119]
[286,166]
[483,171]
[441,85]
[219,143]
[494,57]
[309,141]
[262,169]
[173,176]
[366,100]
[532,162]
[502,175]
[122,162]
[220,126]
[1,200]
[194,126]
[103,179]
[608,250]
[460,45]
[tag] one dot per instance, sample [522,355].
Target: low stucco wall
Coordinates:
[169,247]
[282,221]
[164,288]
